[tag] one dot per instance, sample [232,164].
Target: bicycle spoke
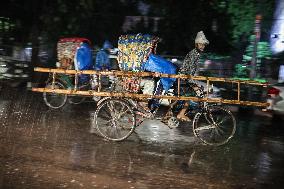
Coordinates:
[212,132]
[109,128]
[219,122]
[107,114]
[220,130]
[205,127]
[110,107]
[122,113]
[117,131]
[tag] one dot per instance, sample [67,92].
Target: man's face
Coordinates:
[200,47]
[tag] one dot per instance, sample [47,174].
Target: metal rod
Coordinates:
[100,83]
[207,92]
[239,91]
[178,87]
[53,80]
[76,81]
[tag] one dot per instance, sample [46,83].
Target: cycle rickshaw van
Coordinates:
[118,114]
[75,53]
[72,54]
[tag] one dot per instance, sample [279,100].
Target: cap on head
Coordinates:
[200,38]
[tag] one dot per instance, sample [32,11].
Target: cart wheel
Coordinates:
[55,100]
[114,120]
[216,126]
[76,99]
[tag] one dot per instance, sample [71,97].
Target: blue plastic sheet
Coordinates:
[84,60]
[158,64]
[84,57]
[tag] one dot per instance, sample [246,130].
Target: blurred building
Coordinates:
[132,22]
[277,31]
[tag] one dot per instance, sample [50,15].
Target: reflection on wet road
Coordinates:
[43,148]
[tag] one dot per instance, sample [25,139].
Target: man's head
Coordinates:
[107,45]
[201,41]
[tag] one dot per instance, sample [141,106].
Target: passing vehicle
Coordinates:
[275,98]
[15,72]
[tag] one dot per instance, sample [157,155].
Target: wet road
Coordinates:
[41,148]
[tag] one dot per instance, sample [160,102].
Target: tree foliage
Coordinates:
[47,21]
[262,52]
[181,20]
[225,23]
[242,15]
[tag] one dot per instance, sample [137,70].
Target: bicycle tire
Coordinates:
[76,99]
[55,100]
[114,120]
[214,126]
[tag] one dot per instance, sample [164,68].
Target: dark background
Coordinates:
[227,25]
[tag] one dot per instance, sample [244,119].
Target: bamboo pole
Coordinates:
[145,96]
[146,74]
[99,92]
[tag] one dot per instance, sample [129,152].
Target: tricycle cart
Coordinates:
[118,112]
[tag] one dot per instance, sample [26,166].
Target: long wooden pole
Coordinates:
[145,96]
[147,74]
[99,92]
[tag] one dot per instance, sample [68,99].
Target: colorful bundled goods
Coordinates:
[134,50]
[131,84]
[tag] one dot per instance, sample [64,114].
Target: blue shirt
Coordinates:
[102,60]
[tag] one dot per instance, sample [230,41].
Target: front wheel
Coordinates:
[114,120]
[215,126]
[55,100]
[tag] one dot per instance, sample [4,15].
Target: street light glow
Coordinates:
[277,31]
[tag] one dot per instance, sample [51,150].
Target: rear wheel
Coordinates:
[114,120]
[76,99]
[55,100]
[215,126]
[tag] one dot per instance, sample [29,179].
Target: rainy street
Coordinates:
[43,148]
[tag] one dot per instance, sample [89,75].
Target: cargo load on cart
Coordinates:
[75,53]
[136,52]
